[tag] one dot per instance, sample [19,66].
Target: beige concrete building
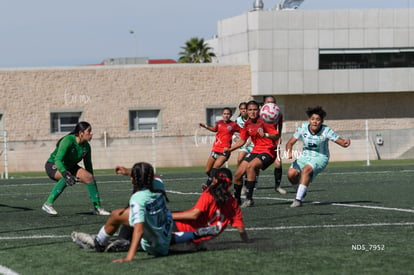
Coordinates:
[357,64]
[142,112]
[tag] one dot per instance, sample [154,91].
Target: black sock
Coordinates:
[210,176]
[278,176]
[237,191]
[249,189]
[209,181]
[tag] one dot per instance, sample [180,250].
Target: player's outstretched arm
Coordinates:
[236,146]
[192,214]
[243,233]
[210,128]
[136,239]
[343,142]
[121,170]
[289,146]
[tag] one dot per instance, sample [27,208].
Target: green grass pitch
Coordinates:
[356,219]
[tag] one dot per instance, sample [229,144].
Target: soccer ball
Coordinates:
[270,112]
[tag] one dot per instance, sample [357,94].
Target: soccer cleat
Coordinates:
[280,190]
[120,245]
[48,208]
[98,246]
[207,231]
[101,212]
[296,203]
[247,203]
[83,240]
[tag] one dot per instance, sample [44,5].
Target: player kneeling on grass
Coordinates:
[214,211]
[315,153]
[149,216]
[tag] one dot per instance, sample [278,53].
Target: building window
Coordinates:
[142,120]
[214,114]
[63,122]
[338,59]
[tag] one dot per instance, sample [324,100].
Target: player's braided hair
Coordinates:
[220,190]
[142,174]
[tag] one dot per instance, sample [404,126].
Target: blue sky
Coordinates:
[78,32]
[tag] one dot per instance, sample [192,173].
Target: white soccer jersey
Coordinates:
[315,145]
[240,121]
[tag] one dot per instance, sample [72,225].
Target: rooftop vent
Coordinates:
[258,5]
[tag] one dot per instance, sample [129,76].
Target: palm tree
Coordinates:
[196,51]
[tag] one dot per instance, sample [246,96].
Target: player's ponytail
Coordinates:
[220,190]
[80,127]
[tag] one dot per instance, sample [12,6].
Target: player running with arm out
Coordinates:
[225,130]
[315,153]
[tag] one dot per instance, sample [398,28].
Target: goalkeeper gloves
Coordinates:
[69,178]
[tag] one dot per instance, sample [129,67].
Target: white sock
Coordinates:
[301,192]
[103,237]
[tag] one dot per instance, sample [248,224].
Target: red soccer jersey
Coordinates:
[212,214]
[224,135]
[261,144]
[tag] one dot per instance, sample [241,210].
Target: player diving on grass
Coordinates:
[315,152]
[152,223]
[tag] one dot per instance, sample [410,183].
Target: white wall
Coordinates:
[282,48]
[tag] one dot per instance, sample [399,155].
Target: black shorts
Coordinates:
[215,155]
[265,158]
[51,169]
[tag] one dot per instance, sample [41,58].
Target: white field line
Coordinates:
[36,237]
[282,199]
[276,228]
[325,226]
[345,205]
[6,271]
[372,207]
[315,202]
[51,183]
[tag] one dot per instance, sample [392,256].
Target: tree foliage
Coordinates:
[196,51]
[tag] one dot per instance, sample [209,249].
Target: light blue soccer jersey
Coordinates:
[151,209]
[240,121]
[315,145]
